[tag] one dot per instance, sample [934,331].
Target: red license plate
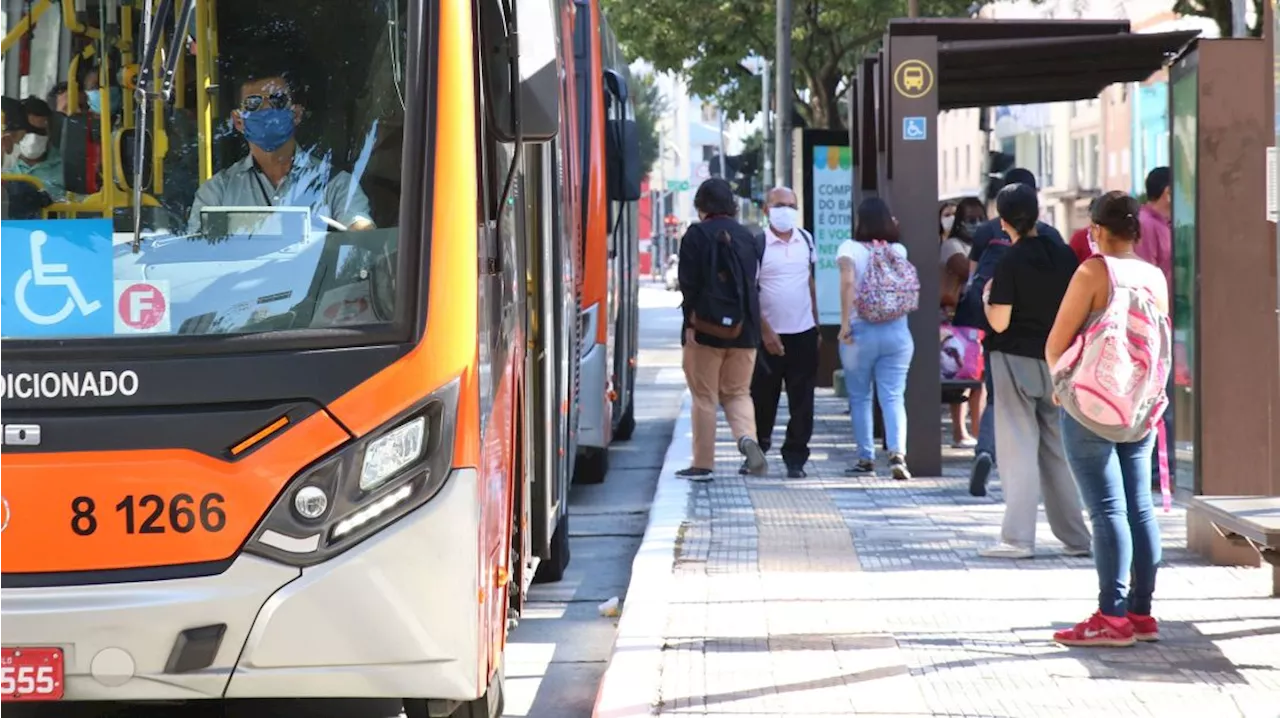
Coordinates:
[31,674]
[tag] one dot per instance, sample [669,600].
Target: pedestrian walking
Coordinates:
[789,325]
[1021,304]
[719,270]
[878,289]
[1111,350]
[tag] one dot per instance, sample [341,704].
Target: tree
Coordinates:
[650,104]
[1220,12]
[708,45]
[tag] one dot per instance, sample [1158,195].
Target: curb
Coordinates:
[632,683]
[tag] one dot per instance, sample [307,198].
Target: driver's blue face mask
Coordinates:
[268,127]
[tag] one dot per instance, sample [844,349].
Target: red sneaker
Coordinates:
[1098,630]
[1144,627]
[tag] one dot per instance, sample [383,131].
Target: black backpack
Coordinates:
[720,310]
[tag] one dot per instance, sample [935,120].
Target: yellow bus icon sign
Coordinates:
[913,79]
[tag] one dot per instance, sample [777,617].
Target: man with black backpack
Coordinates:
[789,324]
[719,268]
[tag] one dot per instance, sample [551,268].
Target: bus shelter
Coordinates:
[927,66]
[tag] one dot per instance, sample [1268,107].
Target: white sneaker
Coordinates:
[1077,552]
[1005,550]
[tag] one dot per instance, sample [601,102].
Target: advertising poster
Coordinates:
[832,198]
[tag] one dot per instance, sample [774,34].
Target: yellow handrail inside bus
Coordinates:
[25,24]
[16,177]
[207,84]
[73,25]
[73,79]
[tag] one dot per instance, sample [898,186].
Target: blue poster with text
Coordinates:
[56,278]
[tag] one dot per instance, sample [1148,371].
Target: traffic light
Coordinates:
[740,170]
[998,164]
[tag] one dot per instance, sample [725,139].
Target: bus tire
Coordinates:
[627,425]
[489,705]
[592,465]
[552,569]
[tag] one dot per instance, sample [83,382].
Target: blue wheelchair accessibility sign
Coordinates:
[56,278]
[915,128]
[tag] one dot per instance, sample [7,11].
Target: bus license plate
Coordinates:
[31,674]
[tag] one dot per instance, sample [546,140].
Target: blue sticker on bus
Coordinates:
[56,278]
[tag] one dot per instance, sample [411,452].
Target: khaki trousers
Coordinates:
[719,377]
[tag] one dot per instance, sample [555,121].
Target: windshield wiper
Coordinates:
[152,27]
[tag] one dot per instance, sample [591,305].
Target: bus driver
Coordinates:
[276,172]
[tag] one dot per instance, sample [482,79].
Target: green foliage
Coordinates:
[1220,12]
[650,104]
[708,45]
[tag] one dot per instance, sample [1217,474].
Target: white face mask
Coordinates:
[948,221]
[782,219]
[32,145]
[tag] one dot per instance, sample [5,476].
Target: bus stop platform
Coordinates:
[864,596]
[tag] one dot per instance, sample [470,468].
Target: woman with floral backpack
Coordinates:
[879,287]
[1111,349]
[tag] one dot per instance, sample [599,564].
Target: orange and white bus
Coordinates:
[289,365]
[610,221]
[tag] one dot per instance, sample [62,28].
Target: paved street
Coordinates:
[864,596]
[557,654]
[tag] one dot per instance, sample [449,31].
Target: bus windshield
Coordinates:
[269,172]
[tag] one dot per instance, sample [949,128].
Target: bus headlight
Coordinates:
[363,486]
[391,452]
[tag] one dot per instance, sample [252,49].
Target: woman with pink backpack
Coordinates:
[1110,349]
[879,287]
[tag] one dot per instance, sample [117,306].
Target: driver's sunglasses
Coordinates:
[277,100]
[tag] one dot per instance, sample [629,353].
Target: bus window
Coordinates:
[274,203]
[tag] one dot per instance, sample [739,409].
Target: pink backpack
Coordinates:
[890,288]
[1112,378]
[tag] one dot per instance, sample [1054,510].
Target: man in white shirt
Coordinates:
[789,327]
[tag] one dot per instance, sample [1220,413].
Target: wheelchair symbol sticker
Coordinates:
[56,278]
[915,128]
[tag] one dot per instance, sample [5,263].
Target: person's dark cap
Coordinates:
[15,115]
[1020,175]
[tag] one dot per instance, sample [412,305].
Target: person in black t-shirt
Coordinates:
[992,234]
[989,242]
[718,371]
[1021,303]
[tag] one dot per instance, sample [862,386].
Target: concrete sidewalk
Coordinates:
[835,595]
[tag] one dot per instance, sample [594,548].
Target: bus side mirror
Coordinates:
[539,88]
[622,142]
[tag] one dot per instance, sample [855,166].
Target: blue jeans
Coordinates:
[987,425]
[880,353]
[1115,481]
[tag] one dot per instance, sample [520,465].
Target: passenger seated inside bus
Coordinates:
[26,138]
[276,172]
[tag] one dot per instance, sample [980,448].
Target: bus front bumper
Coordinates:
[395,616]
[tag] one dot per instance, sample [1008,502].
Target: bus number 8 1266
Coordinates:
[183,513]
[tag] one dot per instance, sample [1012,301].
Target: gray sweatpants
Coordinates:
[1032,460]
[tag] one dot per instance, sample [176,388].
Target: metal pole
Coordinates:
[1239,26]
[913,8]
[724,168]
[765,126]
[782,138]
